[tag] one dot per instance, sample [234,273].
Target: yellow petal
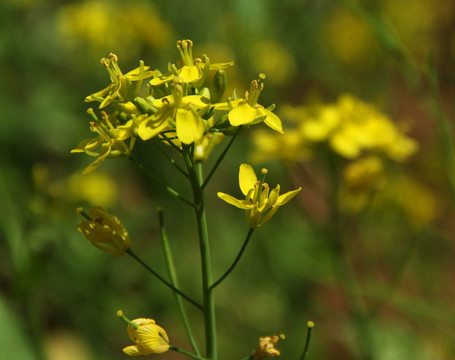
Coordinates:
[155,123]
[247,178]
[132,350]
[162,79]
[241,115]
[284,198]
[233,201]
[195,100]
[273,121]
[190,126]
[190,73]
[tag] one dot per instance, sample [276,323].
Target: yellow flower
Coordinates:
[110,140]
[267,347]
[193,71]
[176,112]
[259,204]
[121,89]
[104,231]
[148,337]
[248,112]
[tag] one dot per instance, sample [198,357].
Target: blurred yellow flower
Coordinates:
[104,231]
[148,337]
[273,58]
[259,204]
[350,127]
[350,40]
[99,26]
[95,188]
[267,347]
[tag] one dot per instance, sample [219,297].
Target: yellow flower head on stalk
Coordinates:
[247,111]
[267,347]
[260,204]
[121,88]
[110,141]
[148,337]
[176,112]
[192,71]
[104,231]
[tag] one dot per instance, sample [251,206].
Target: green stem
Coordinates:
[172,274]
[307,341]
[181,351]
[237,259]
[220,158]
[163,280]
[207,291]
[160,182]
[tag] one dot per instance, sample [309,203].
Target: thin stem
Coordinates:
[220,158]
[172,274]
[171,160]
[310,326]
[160,182]
[181,351]
[163,280]
[171,144]
[237,259]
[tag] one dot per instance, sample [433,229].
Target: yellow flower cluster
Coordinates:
[350,127]
[181,106]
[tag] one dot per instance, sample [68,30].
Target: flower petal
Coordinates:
[284,198]
[233,201]
[247,178]
[190,126]
[273,121]
[241,115]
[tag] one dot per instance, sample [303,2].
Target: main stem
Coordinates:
[209,302]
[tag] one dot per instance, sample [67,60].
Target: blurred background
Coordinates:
[394,297]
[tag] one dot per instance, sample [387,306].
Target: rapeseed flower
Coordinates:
[193,71]
[121,88]
[247,111]
[148,337]
[179,113]
[104,231]
[110,141]
[267,347]
[260,204]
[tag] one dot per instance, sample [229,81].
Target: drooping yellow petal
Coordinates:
[190,126]
[242,114]
[233,201]
[273,121]
[247,178]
